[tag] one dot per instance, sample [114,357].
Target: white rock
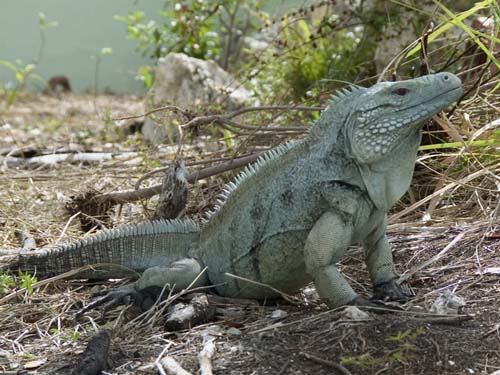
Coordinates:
[447,303]
[186,82]
[279,314]
[233,331]
[353,313]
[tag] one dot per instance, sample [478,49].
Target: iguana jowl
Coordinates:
[289,218]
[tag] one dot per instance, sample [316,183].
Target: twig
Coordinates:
[472,176]
[285,296]
[229,115]
[205,358]
[67,226]
[336,366]
[496,328]
[165,108]
[436,257]
[201,120]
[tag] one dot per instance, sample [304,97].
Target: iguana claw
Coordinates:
[111,298]
[375,306]
[391,291]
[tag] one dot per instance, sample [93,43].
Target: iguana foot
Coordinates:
[373,305]
[391,291]
[111,298]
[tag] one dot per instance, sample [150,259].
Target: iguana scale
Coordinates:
[288,219]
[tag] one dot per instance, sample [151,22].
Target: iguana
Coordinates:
[289,218]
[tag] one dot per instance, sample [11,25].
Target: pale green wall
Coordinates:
[85,27]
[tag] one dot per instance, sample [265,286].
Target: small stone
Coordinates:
[353,313]
[31,365]
[233,331]
[279,314]
[448,303]
[214,330]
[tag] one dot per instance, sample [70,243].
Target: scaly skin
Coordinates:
[290,218]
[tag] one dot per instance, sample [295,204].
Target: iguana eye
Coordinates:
[402,91]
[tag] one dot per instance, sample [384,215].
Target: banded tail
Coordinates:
[115,252]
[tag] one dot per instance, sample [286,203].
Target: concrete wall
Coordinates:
[85,27]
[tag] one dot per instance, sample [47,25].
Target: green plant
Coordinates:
[98,59]
[23,71]
[145,74]
[205,29]
[66,335]
[311,54]
[26,281]
[365,361]
[405,341]
[7,282]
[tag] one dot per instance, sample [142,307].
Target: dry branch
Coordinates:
[205,357]
[135,195]
[53,159]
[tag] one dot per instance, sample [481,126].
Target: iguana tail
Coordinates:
[114,253]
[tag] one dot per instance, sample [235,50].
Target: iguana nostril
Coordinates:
[446,77]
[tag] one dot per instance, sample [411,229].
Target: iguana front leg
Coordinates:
[176,276]
[325,245]
[378,257]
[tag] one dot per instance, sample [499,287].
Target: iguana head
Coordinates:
[389,112]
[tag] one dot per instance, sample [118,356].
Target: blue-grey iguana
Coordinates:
[288,219]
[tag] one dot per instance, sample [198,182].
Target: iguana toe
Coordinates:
[110,298]
[373,305]
[391,291]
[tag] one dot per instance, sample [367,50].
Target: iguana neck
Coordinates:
[388,179]
[385,181]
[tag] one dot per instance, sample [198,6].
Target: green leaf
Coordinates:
[20,77]
[457,20]
[228,140]
[106,51]
[8,65]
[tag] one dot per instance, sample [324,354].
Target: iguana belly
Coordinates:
[277,262]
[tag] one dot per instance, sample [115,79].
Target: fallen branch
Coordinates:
[205,119]
[205,358]
[184,316]
[53,159]
[135,195]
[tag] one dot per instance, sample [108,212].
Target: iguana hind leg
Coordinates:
[179,275]
[326,243]
[176,276]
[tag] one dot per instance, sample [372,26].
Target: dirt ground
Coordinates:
[40,335]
